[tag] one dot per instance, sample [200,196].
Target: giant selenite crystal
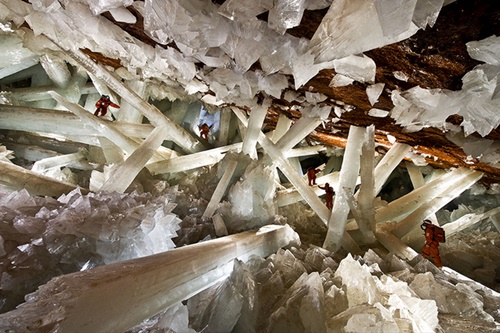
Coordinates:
[79,232]
[476,102]
[377,23]
[98,300]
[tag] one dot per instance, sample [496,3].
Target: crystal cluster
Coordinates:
[42,237]
[476,102]
[308,290]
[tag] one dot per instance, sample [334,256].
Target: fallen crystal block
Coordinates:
[361,290]
[458,300]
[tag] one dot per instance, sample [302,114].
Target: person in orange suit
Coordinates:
[311,175]
[433,235]
[102,105]
[204,130]
[328,195]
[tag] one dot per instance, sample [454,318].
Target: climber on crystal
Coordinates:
[311,175]
[204,130]
[328,195]
[433,236]
[102,105]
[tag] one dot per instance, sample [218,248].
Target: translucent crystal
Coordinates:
[80,292]
[251,197]
[240,11]
[374,112]
[285,15]
[254,124]
[297,132]
[340,80]
[123,15]
[415,218]
[282,127]
[287,169]
[15,177]
[461,301]
[15,57]
[363,288]
[395,17]
[348,177]
[358,68]
[123,175]
[486,50]
[57,69]
[426,12]
[334,38]
[317,4]
[374,92]
[388,163]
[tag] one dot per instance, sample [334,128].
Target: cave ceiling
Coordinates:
[432,58]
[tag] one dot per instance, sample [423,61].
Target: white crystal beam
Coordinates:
[467,221]
[417,179]
[127,111]
[41,93]
[366,193]
[106,129]
[220,189]
[282,126]
[297,181]
[255,122]
[57,69]
[446,195]
[100,299]
[394,244]
[305,151]
[297,132]
[402,207]
[42,120]
[112,153]
[124,174]
[295,164]
[291,196]
[59,161]
[193,161]
[34,153]
[353,205]
[16,178]
[73,92]
[177,134]
[348,177]
[225,125]
[388,163]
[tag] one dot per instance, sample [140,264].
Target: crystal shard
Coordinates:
[486,50]
[285,15]
[374,92]
[335,39]
[358,68]
[240,11]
